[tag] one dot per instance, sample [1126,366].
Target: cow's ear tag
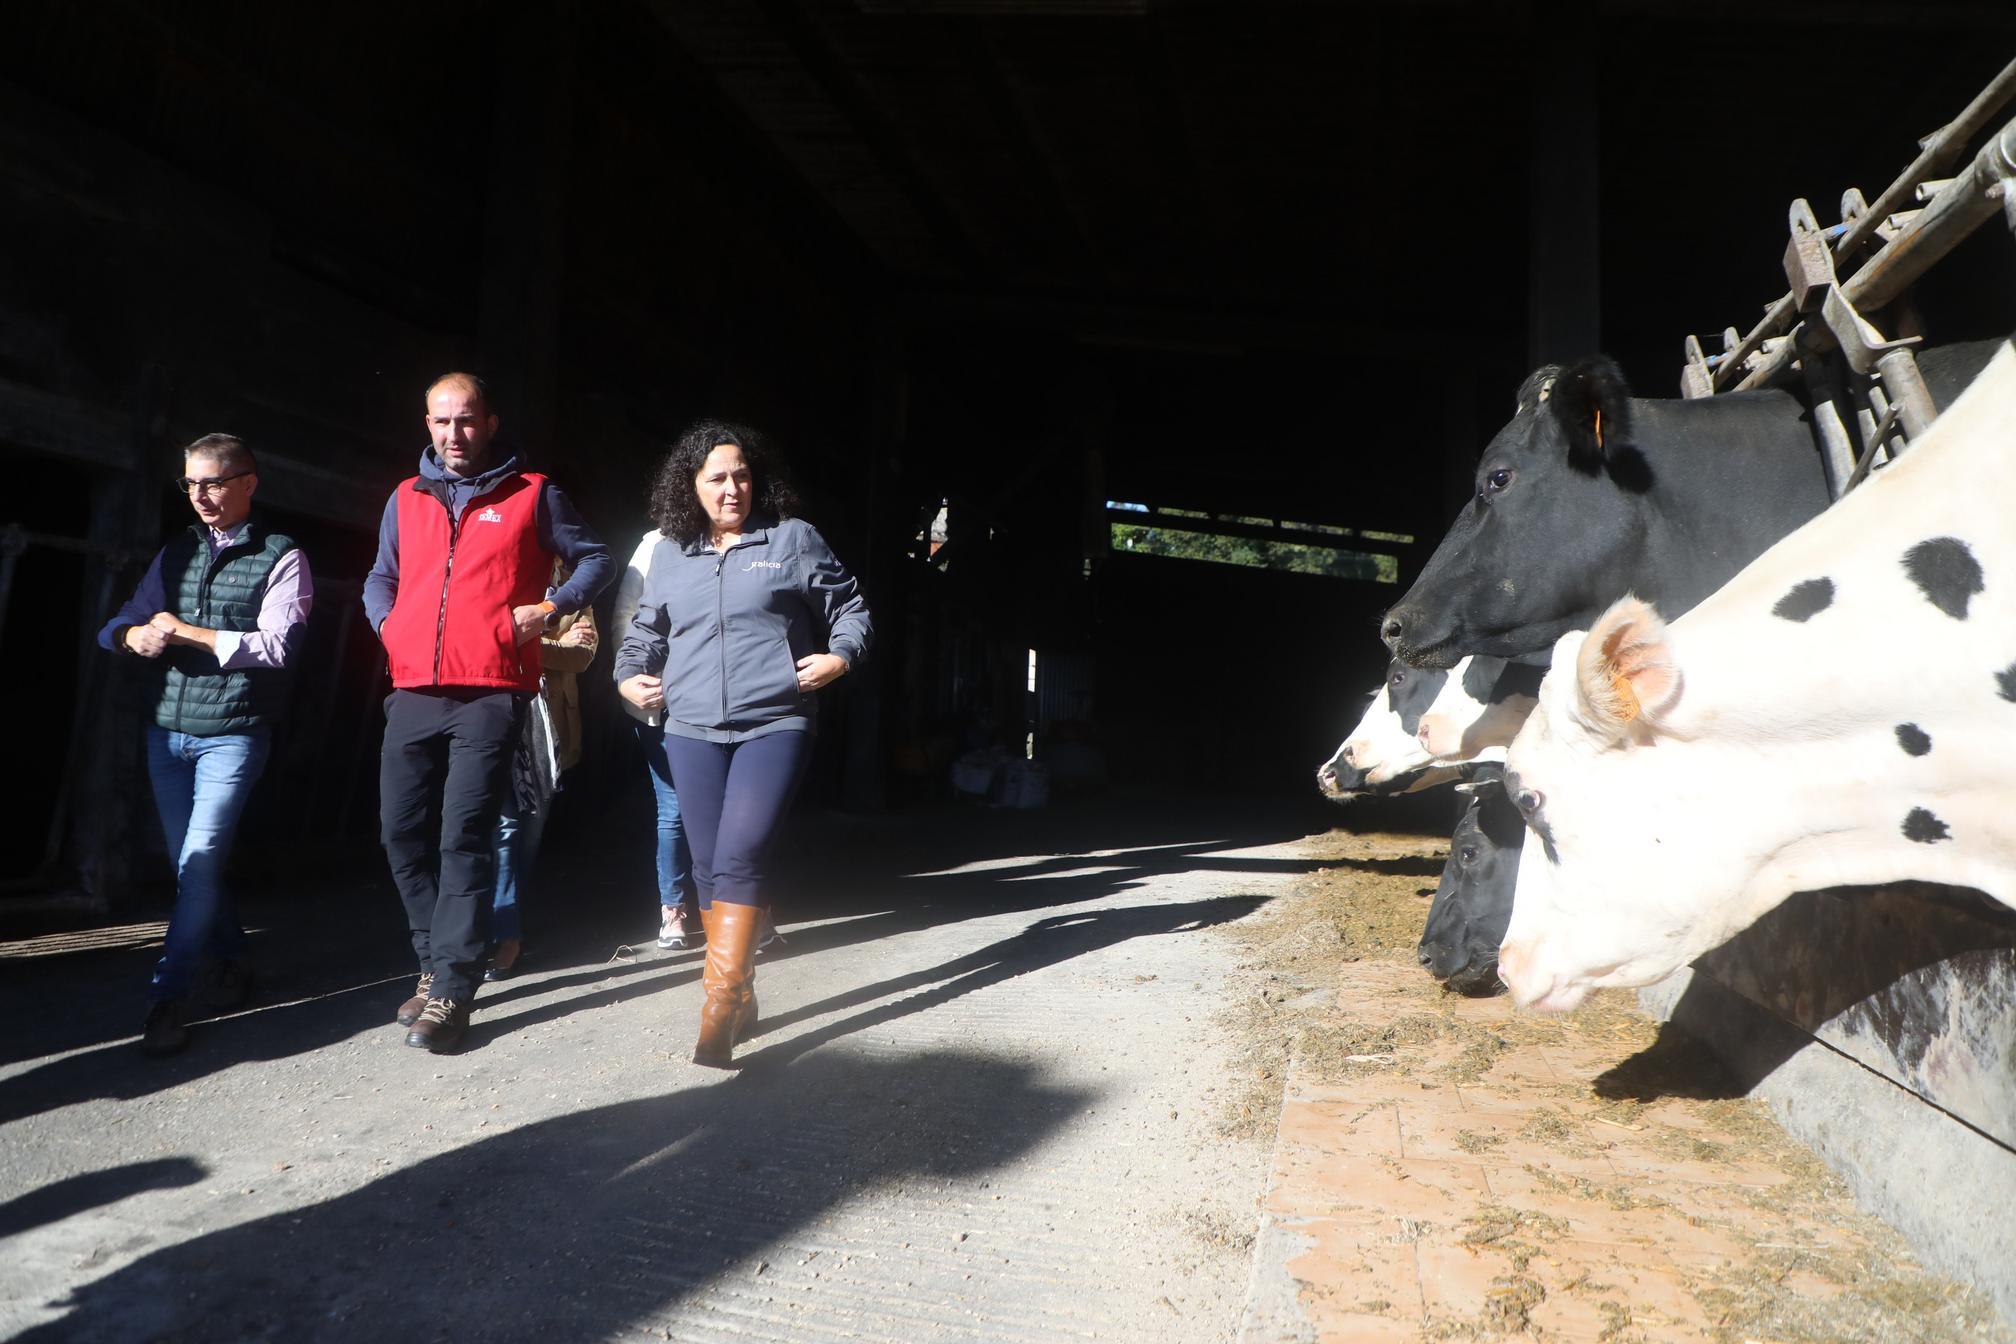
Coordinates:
[1627,699]
[1599,428]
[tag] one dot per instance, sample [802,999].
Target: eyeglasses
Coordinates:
[183,485]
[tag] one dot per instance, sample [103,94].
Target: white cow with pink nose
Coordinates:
[1842,712]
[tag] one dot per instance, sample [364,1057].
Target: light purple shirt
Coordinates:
[290,592]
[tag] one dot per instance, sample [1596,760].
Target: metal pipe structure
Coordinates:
[1829,397]
[1967,202]
[1969,199]
[1936,153]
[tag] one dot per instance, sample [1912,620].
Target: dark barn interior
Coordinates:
[985,268]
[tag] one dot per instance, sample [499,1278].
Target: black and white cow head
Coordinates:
[1382,754]
[1481,706]
[1473,901]
[1554,515]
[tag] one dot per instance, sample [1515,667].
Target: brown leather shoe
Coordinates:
[730,980]
[409,1011]
[440,1025]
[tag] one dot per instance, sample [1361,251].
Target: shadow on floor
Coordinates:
[60,1199]
[332,959]
[585,1225]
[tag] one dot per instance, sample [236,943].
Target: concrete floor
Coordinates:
[988,1103]
[1006,1090]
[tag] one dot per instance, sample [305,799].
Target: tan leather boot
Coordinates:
[730,981]
[745,1024]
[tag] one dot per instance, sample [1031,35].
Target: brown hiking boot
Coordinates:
[167,1028]
[439,1026]
[409,1011]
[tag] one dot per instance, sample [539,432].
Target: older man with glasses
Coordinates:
[218,615]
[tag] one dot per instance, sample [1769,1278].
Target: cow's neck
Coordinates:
[1879,709]
[1725,485]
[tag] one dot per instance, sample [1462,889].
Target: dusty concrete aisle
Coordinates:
[991,1105]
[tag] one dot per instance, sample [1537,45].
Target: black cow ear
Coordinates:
[1593,404]
[1480,775]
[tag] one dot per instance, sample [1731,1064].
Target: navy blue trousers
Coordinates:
[733,796]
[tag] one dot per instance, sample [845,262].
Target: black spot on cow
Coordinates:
[1914,740]
[1925,828]
[1806,600]
[1517,679]
[2005,683]
[1480,676]
[1946,572]
[1409,692]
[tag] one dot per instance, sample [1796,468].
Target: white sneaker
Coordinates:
[673,935]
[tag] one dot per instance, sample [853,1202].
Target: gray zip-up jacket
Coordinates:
[725,631]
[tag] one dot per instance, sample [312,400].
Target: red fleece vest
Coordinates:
[451,622]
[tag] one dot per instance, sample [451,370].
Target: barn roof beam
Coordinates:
[1180,328]
[683,92]
[1032,152]
[808,44]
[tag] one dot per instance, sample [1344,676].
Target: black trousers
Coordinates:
[447,753]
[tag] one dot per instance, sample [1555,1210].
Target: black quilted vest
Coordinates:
[198,697]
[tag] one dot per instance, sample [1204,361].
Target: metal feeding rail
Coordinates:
[1842,272]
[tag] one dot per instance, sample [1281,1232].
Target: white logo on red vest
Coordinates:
[489,516]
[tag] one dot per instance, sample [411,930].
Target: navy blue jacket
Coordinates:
[725,631]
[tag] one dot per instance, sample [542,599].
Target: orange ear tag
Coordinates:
[1599,426]
[1627,697]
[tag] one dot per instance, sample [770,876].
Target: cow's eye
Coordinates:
[1496,482]
[1469,854]
[1529,801]
[1396,678]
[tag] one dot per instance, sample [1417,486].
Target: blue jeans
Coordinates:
[675,860]
[518,840]
[200,787]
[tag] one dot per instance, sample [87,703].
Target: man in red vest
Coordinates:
[458,596]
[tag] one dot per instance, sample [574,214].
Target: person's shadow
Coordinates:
[94,1189]
[584,1225]
[1042,944]
[343,976]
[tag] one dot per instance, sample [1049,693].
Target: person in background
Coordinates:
[547,749]
[457,596]
[679,924]
[746,613]
[219,614]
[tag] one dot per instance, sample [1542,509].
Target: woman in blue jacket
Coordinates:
[745,614]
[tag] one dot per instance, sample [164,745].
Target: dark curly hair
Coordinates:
[675,505]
